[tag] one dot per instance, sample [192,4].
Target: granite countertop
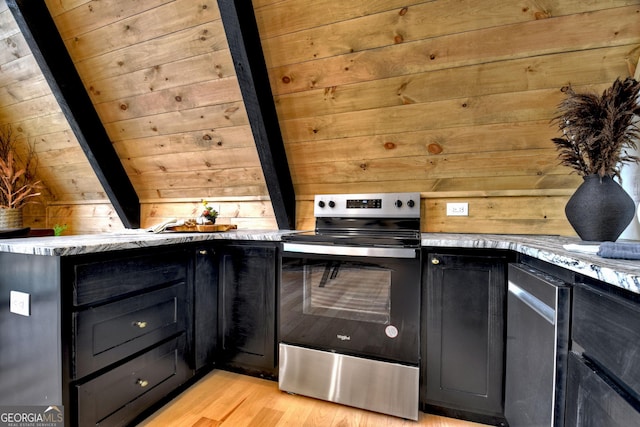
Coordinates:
[127,239]
[621,273]
[618,272]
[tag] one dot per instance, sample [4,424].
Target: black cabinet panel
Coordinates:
[29,360]
[247,307]
[100,279]
[111,332]
[602,322]
[206,308]
[463,334]
[594,401]
[118,396]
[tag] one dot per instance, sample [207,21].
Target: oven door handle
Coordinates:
[350,250]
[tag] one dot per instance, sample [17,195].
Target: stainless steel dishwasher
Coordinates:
[538,313]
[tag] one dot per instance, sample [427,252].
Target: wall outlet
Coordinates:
[458,209]
[20,303]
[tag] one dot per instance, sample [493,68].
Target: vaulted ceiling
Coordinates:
[451,98]
[50,52]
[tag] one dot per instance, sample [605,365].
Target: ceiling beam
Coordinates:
[50,53]
[244,41]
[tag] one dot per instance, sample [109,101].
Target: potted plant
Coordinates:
[208,215]
[18,183]
[597,132]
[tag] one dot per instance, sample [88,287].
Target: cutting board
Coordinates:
[210,228]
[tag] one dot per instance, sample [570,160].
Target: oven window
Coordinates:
[348,290]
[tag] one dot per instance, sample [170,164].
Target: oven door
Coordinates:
[352,300]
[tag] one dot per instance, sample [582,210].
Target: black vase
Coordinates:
[600,209]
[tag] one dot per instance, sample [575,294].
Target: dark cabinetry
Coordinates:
[603,386]
[130,332]
[463,335]
[108,334]
[247,280]
[205,307]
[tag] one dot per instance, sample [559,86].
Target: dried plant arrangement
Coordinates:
[596,130]
[18,183]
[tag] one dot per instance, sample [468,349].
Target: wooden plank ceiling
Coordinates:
[451,98]
[47,47]
[42,36]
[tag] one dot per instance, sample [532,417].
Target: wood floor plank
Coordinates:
[266,417]
[226,399]
[297,408]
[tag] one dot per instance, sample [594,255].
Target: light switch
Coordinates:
[20,303]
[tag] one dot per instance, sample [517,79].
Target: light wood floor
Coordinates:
[227,399]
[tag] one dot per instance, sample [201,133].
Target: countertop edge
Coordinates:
[624,274]
[621,273]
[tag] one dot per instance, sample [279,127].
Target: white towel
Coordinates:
[585,249]
[163,226]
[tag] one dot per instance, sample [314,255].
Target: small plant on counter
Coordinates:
[596,130]
[208,214]
[18,183]
[59,229]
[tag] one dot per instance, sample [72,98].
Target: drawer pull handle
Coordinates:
[142,383]
[435,261]
[140,325]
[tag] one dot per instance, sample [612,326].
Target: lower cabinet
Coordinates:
[593,400]
[463,335]
[247,280]
[113,334]
[108,335]
[130,342]
[118,396]
[603,385]
[205,306]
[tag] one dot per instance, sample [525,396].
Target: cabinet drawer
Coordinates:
[108,333]
[592,401]
[608,328]
[98,281]
[118,396]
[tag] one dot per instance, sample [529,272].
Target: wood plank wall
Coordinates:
[450,98]
[160,75]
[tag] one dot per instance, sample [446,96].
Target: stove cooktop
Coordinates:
[409,239]
[373,220]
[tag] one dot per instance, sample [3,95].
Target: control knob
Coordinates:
[398,203]
[332,204]
[321,204]
[411,203]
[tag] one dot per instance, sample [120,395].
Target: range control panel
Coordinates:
[381,205]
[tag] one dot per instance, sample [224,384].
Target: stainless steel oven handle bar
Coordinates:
[350,250]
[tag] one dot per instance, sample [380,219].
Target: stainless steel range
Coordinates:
[349,304]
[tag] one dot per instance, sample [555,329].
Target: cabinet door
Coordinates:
[247,307]
[205,307]
[463,333]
